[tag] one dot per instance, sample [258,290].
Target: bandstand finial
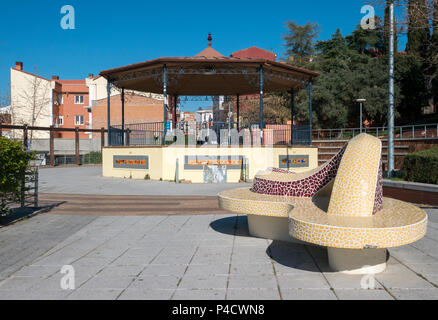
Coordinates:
[209,39]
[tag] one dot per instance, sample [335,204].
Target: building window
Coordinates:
[79,120]
[79,99]
[61,120]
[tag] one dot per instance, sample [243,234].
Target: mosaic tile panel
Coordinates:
[304,184]
[397,224]
[378,198]
[354,190]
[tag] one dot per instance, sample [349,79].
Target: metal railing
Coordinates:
[28,196]
[422,131]
[144,134]
[53,132]
[29,188]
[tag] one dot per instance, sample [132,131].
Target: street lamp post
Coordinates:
[391,91]
[360,116]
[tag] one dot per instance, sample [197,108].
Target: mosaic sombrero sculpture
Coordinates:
[339,205]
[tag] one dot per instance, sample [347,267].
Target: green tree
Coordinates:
[347,74]
[299,42]
[366,40]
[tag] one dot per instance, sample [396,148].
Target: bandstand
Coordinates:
[209,73]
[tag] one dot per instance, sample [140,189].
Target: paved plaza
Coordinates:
[188,256]
[89,180]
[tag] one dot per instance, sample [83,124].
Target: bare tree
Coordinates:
[424,9]
[414,16]
[5,113]
[32,102]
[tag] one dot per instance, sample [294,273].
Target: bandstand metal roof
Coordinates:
[209,73]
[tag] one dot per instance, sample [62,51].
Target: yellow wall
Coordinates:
[162,161]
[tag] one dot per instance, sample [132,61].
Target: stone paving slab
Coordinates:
[89,180]
[191,257]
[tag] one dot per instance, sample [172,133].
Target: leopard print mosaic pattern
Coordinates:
[378,198]
[306,187]
[280,170]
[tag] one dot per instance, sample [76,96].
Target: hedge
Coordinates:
[13,164]
[421,166]
[93,157]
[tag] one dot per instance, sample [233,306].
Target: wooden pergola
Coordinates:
[210,73]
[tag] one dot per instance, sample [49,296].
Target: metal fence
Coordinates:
[56,150]
[199,133]
[421,131]
[138,134]
[28,196]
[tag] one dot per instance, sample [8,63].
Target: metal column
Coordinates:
[391,92]
[310,111]
[108,113]
[123,116]
[175,101]
[165,102]
[292,107]
[261,103]
[238,111]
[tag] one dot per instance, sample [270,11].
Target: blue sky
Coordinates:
[115,33]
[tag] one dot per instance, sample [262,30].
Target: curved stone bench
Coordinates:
[268,201]
[347,214]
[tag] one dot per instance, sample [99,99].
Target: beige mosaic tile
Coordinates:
[343,218]
[356,180]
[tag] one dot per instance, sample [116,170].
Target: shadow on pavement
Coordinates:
[25,212]
[234,226]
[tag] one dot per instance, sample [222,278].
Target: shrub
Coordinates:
[147,177]
[13,164]
[93,157]
[422,166]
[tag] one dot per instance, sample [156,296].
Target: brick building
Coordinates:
[74,109]
[138,109]
[74,103]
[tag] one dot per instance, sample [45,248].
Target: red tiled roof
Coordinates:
[209,52]
[254,52]
[67,81]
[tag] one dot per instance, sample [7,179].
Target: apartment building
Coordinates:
[64,103]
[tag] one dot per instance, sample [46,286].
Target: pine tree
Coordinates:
[299,42]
